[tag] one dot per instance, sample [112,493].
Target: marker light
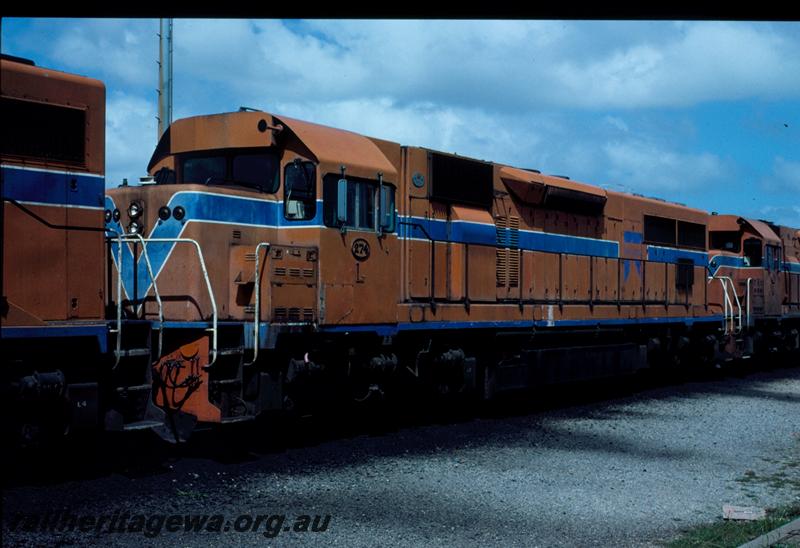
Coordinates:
[164,213]
[107,215]
[179,213]
[116,214]
[134,210]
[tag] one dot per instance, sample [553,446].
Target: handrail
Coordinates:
[735,327]
[125,237]
[738,306]
[118,330]
[257,289]
[138,238]
[728,305]
[155,292]
[749,324]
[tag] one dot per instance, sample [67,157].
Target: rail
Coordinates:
[155,292]
[257,314]
[136,238]
[729,312]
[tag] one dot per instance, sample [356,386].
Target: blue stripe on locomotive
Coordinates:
[52,187]
[226,209]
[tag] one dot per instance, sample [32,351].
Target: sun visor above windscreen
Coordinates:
[763,230]
[336,147]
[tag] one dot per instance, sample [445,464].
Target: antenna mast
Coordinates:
[164,76]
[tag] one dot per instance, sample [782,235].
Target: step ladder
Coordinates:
[135,407]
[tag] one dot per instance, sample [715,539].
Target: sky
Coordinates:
[705,113]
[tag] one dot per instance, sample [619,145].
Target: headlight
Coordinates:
[134,210]
[179,213]
[135,228]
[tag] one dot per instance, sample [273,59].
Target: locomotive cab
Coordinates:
[227,238]
[749,254]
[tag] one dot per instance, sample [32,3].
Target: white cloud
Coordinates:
[645,166]
[706,61]
[130,137]
[617,123]
[468,132]
[787,174]
[786,215]
[126,50]
[493,65]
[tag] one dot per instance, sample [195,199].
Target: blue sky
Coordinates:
[704,113]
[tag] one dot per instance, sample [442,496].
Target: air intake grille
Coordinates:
[293,314]
[507,255]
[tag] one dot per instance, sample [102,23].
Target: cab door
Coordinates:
[359,251]
[772,279]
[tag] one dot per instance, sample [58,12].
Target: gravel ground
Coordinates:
[624,470]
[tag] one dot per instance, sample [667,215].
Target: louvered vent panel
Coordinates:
[513,252]
[513,267]
[513,232]
[500,226]
[501,267]
[501,257]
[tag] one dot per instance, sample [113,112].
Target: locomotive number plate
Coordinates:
[360,249]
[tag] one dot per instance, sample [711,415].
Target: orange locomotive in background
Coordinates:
[270,264]
[57,366]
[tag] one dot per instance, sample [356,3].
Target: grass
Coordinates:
[723,534]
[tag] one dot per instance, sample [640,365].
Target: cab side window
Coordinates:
[299,191]
[752,252]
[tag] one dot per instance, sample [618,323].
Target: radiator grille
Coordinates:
[292,314]
[507,258]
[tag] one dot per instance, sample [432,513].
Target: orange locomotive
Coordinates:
[56,358]
[286,264]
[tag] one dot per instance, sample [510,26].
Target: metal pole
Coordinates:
[164,76]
